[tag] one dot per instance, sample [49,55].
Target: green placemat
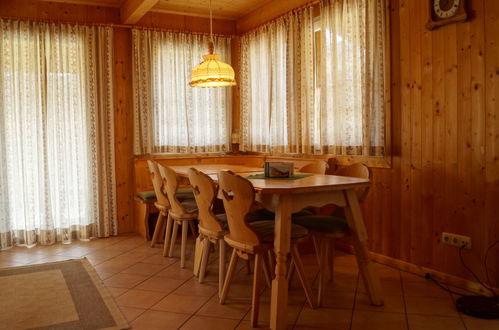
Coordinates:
[262,176]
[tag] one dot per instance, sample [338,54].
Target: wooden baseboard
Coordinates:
[441,277]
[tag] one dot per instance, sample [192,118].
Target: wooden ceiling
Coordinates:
[133,10]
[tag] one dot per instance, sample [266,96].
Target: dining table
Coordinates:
[286,196]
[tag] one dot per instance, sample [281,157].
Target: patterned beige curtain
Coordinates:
[351,110]
[56,133]
[277,79]
[169,115]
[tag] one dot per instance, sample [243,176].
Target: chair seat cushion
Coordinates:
[265,229]
[190,205]
[322,223]
[147,195]
[184,194]
[222,218]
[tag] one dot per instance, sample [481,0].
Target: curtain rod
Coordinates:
[311,3]
[113,25]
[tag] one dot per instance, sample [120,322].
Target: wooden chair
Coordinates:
[161,203]
[181,214]
[325,229]
[318,167]
[146,199]
[253,238]
[212,228]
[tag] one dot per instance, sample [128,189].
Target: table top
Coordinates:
[316,182]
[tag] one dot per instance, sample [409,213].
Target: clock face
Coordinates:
[445,8]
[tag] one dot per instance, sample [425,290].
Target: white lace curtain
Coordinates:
[169,115]
[300,95]
[56,133]
[352,77]
[277,79]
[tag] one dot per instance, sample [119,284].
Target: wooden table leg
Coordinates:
[359,240]
[279,298]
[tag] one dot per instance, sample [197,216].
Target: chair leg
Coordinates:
[296,260]
[228,278]
[255,299]
[157,228]
[183,243]
[145,219]
[174,238]
[204,259]
[193,228]
[168,233]
[221,265]
[317,249]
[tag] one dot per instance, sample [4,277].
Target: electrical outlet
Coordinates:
[456,240]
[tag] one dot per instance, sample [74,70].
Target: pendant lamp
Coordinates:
[212,72]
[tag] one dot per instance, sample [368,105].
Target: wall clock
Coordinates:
[447,11]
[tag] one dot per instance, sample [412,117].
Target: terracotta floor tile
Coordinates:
[139,299]
[116,292]
[160,284]
[131,313]
[431,306]
[431,322]
[193,288]
[388,287]
[143,269]
[230,310]
[180,304]
[112,266]
[387,273]
[340,282]
[338,299]
[473,323]
[246,325]
[329,318]
[393,304]
[423,289]
[209,323]
[124,280]
[175,272]
[363,320]
[158,259]
[157,320]
[293,312]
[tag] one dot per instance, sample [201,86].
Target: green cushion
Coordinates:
[265,229]
[259,215]
[184,193]
[147,195]
[322,223]
[189,205]
[223,219]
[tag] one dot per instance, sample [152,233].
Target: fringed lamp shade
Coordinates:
[212,72]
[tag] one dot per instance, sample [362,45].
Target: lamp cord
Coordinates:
[211,23]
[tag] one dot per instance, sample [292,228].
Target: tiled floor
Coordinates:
[154,293]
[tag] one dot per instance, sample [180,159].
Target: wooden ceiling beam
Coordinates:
[132,10]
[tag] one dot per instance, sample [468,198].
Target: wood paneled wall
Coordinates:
[445,130]
[445,140]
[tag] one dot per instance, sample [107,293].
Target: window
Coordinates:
[327,88]
[171,116]
[52,180]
